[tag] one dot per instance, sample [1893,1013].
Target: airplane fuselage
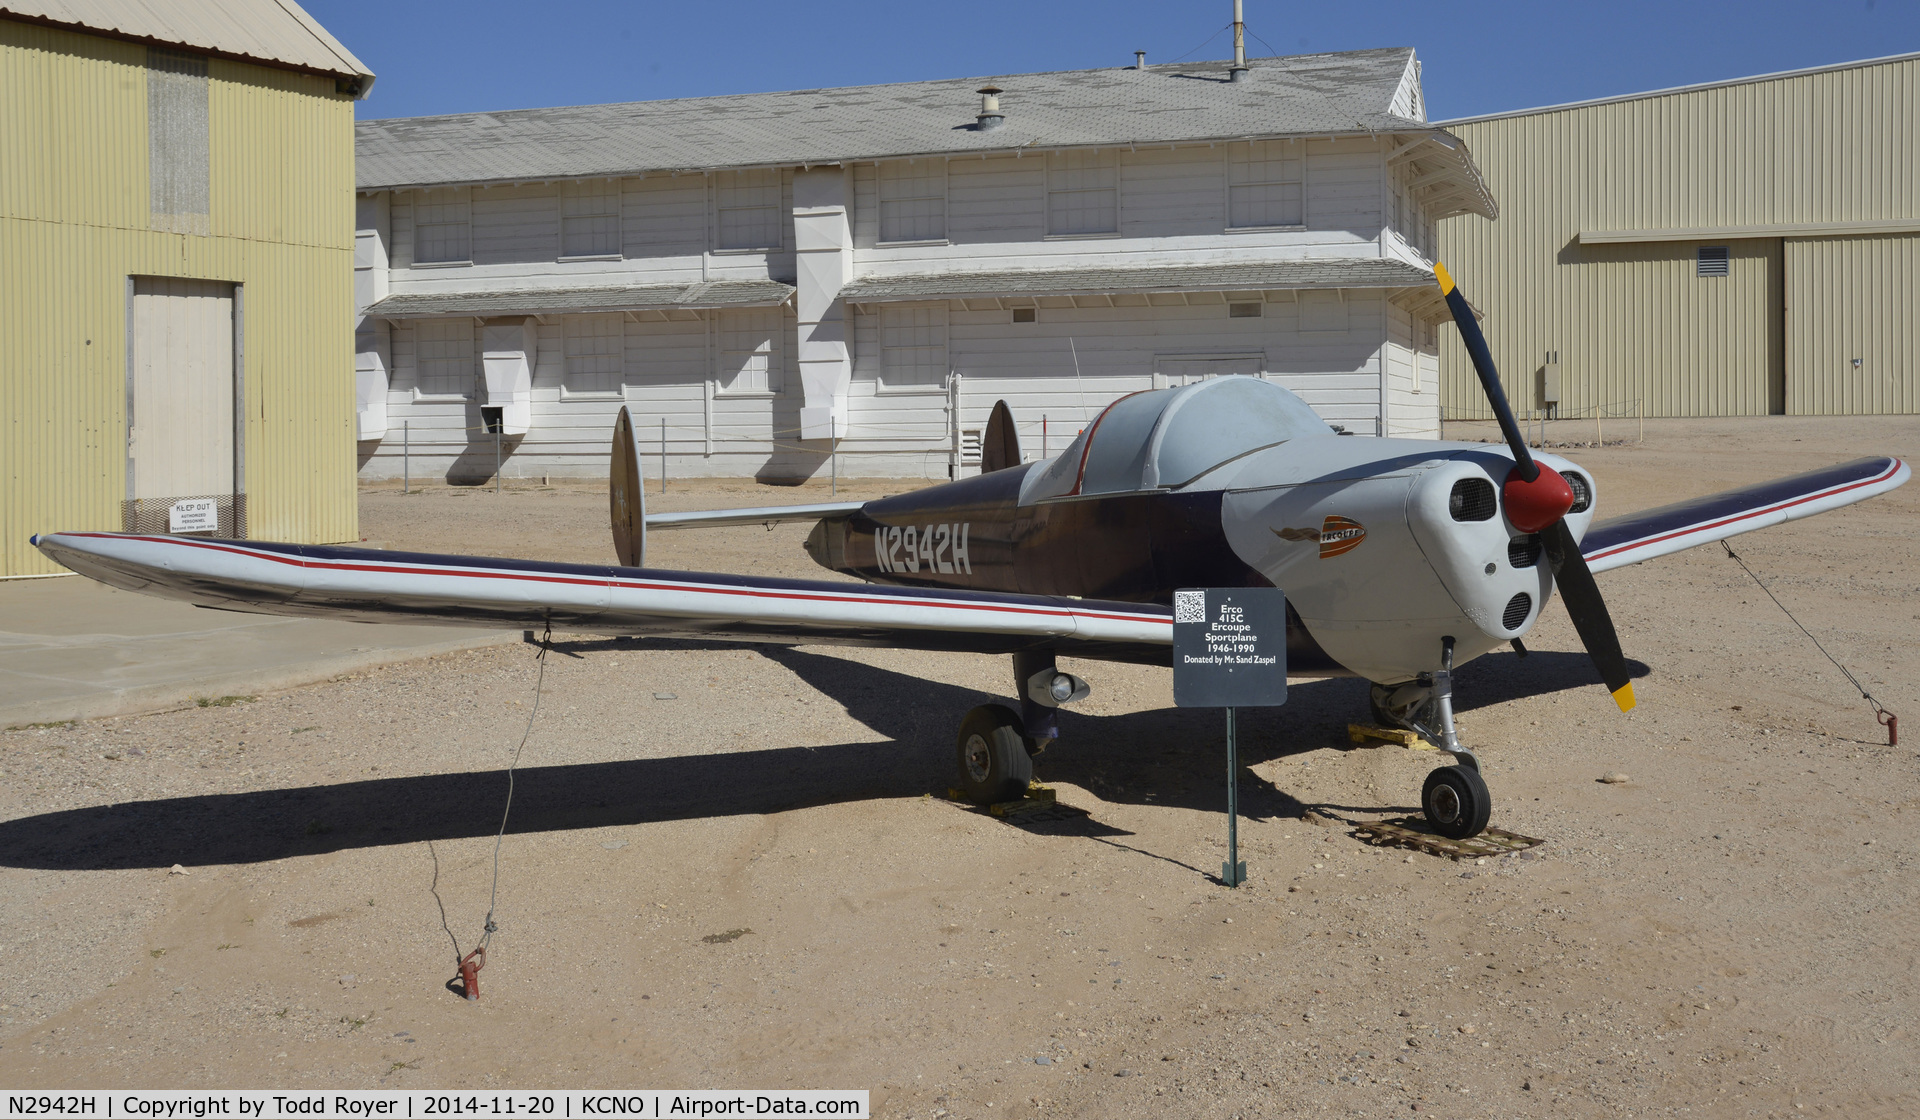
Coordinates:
[1383,546]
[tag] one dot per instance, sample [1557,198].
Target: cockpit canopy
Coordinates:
[1163,439]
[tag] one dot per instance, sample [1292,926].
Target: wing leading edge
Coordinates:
[1667,529]
[366,585]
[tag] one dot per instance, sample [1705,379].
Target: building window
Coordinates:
[749,204]
[442,232]
[913,344]
[443,357]
[913,200]
[590,219]
[177,143]
[750,351]
[1711,261]
[596,353]
[1023,314]
[1265,184]
[1243,311]
[1082,193]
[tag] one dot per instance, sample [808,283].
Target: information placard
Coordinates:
[1229,647]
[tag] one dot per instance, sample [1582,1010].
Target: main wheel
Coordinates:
[994,764]
[1456,802]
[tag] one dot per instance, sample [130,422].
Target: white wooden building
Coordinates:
[768,277]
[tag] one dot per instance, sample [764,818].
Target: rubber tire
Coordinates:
[992,754]
[1456,802]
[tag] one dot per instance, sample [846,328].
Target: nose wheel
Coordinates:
[1456,802]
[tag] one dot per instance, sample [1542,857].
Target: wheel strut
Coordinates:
[1443,698]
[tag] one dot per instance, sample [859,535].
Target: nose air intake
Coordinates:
[1582,491]
[1517,610]
[1471,500]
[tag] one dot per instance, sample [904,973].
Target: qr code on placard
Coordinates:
[1189,606]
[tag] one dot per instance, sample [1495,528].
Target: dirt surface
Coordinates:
[725,868]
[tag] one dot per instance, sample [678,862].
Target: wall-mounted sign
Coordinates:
[194,515]
[1230,647]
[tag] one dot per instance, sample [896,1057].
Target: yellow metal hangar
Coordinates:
[1737,248]
[176,271]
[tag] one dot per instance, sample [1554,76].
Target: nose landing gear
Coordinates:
[1454,798]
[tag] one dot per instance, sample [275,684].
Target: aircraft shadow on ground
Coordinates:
[1169,757]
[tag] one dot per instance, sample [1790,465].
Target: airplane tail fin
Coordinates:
[1000,447]
[626,495]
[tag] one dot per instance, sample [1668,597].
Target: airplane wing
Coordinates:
[1657,532]
[366,585]
[760,515]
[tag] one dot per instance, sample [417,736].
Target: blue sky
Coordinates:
[436,56]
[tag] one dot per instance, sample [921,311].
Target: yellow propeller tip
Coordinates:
[1623,696]
[1446,280]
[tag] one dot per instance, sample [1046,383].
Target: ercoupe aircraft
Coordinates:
[1401,559]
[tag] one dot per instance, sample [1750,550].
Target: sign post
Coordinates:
[1230,651]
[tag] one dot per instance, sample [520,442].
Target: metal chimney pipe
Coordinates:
[990,116]
[1139,60]
[1239,70]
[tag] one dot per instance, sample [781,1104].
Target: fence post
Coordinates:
[663,454]
[496,456]
[406,456]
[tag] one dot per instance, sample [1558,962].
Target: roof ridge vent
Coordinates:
[990,116]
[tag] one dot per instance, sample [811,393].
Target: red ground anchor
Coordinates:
[470,966]
[1892,723]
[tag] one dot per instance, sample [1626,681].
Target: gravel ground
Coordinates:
[733,867]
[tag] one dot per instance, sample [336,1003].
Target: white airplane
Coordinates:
[1401,559]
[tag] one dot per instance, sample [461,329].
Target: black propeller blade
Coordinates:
[1536,500]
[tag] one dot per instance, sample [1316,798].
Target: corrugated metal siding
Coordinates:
[1848,298]
[74,211]
[1630,321]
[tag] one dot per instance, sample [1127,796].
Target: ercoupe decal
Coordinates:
[1337,535]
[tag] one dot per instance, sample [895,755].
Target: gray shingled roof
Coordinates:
[561,301]
[1358,272]
[1299,95]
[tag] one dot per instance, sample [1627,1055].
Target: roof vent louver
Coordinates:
[990,116]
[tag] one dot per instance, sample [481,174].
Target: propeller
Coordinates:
[1536,500]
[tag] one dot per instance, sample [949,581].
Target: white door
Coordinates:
[1174,371]
[180,427]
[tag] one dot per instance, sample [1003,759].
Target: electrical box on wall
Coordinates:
[1548,395]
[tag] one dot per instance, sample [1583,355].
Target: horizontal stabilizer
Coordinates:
[760,515]
[365,585]
[1667,529]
